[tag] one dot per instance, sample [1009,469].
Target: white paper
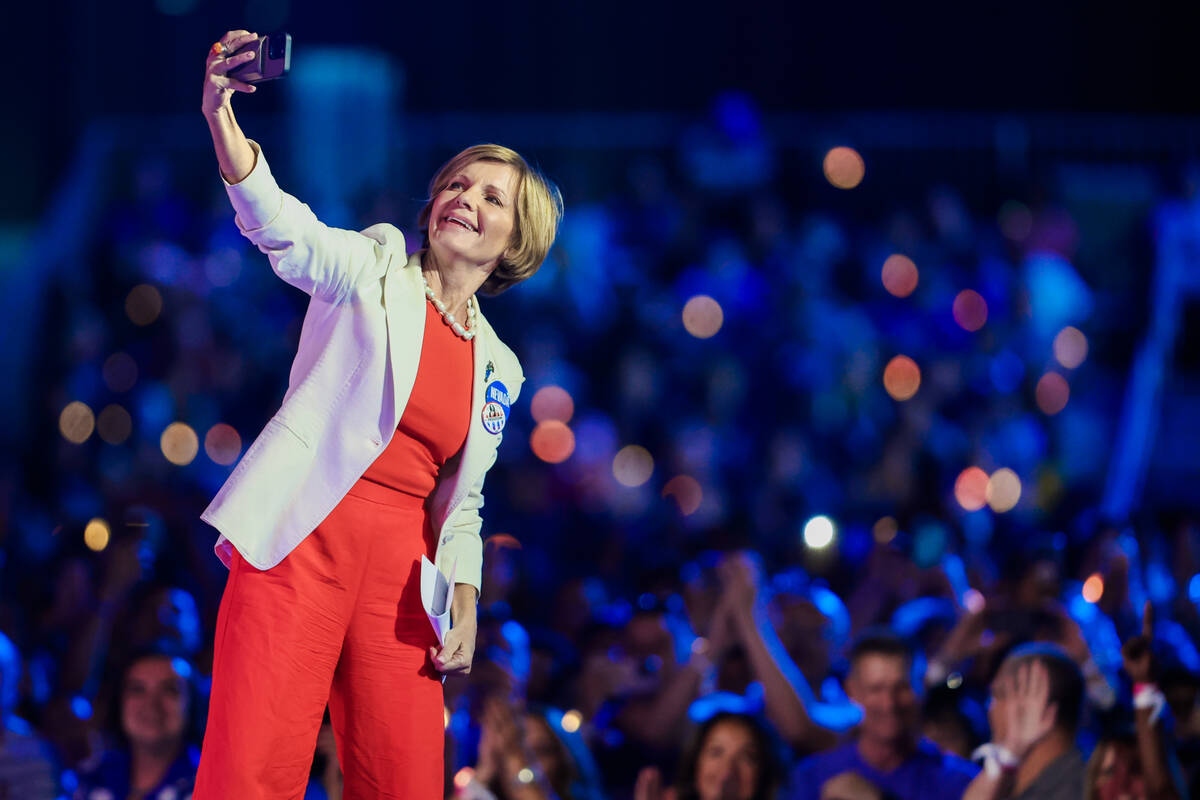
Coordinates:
[437,591]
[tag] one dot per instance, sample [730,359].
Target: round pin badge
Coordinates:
[494,416]
[496,405]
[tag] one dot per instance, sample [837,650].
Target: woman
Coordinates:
[731,757]
[398,396]
[154,760]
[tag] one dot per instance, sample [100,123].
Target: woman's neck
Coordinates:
[149,763]
[454,284]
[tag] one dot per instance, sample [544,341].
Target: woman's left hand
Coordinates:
[458,648]
[457,651]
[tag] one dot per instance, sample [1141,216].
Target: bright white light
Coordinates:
[818,532]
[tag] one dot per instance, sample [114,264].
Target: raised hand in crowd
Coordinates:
[1036,703]
[788,700]
[1121,769]
[506,765]
[649,786]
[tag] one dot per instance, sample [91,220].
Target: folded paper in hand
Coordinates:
[436,593]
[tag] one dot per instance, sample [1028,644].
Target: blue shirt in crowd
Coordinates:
[929,774]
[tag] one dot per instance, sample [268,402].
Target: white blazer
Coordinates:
[350,381]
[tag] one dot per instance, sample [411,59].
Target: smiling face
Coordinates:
[881,686]
[729,763]
[472,218]
[154,703]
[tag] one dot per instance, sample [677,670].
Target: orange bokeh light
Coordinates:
[1093,588]
[971,488]
[899,275]
[702,316]
[901,378]
[552,403]
[1052,393]
[970,310]
[552,441]
[223,444]
[844,167]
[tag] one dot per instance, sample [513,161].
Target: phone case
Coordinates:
[273,60]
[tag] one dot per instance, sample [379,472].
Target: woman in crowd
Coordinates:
[155,759]
[730,757]
[398,397]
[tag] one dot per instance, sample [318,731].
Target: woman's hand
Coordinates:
[219,87]
[458,648]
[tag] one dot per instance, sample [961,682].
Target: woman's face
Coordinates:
[729,763]
[472,219]
[154,703]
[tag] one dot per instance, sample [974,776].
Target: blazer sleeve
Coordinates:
[323,261]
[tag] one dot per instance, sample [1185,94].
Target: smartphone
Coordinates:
[274,59]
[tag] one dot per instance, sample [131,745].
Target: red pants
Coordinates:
[339,620]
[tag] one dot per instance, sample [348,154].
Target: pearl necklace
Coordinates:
[465,333]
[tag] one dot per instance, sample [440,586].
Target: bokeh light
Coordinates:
[819,532]
[702,316]
[114,424]
[1003,490]
[223,444]
[552,403]
[899,275]
[571,720]
[901,378]
[970,310]
[445,717]
[633,465]
[971,488]
[525,775]
[844,167]
[885,529]
[974,600]
[143,304]
[1070,347]
[552,441]
[686,491]
[1052,393]
[1093,588]
[120,372]
[179,443]
[96,535]
[76,422]
[463,778]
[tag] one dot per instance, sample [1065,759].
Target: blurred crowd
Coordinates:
[657,620]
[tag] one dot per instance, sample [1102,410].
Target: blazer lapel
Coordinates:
[404,308]
[477,436]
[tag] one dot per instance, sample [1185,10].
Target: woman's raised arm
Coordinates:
[234,154]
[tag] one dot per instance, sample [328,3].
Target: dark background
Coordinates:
[92,59]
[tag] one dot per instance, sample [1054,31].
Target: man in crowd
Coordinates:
[886,756]
[1037,697]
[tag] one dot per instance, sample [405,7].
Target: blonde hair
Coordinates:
[537,212]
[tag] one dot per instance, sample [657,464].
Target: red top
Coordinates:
[434,426]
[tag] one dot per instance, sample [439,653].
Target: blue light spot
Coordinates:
[182,668]
[81,707]
[1194,588]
